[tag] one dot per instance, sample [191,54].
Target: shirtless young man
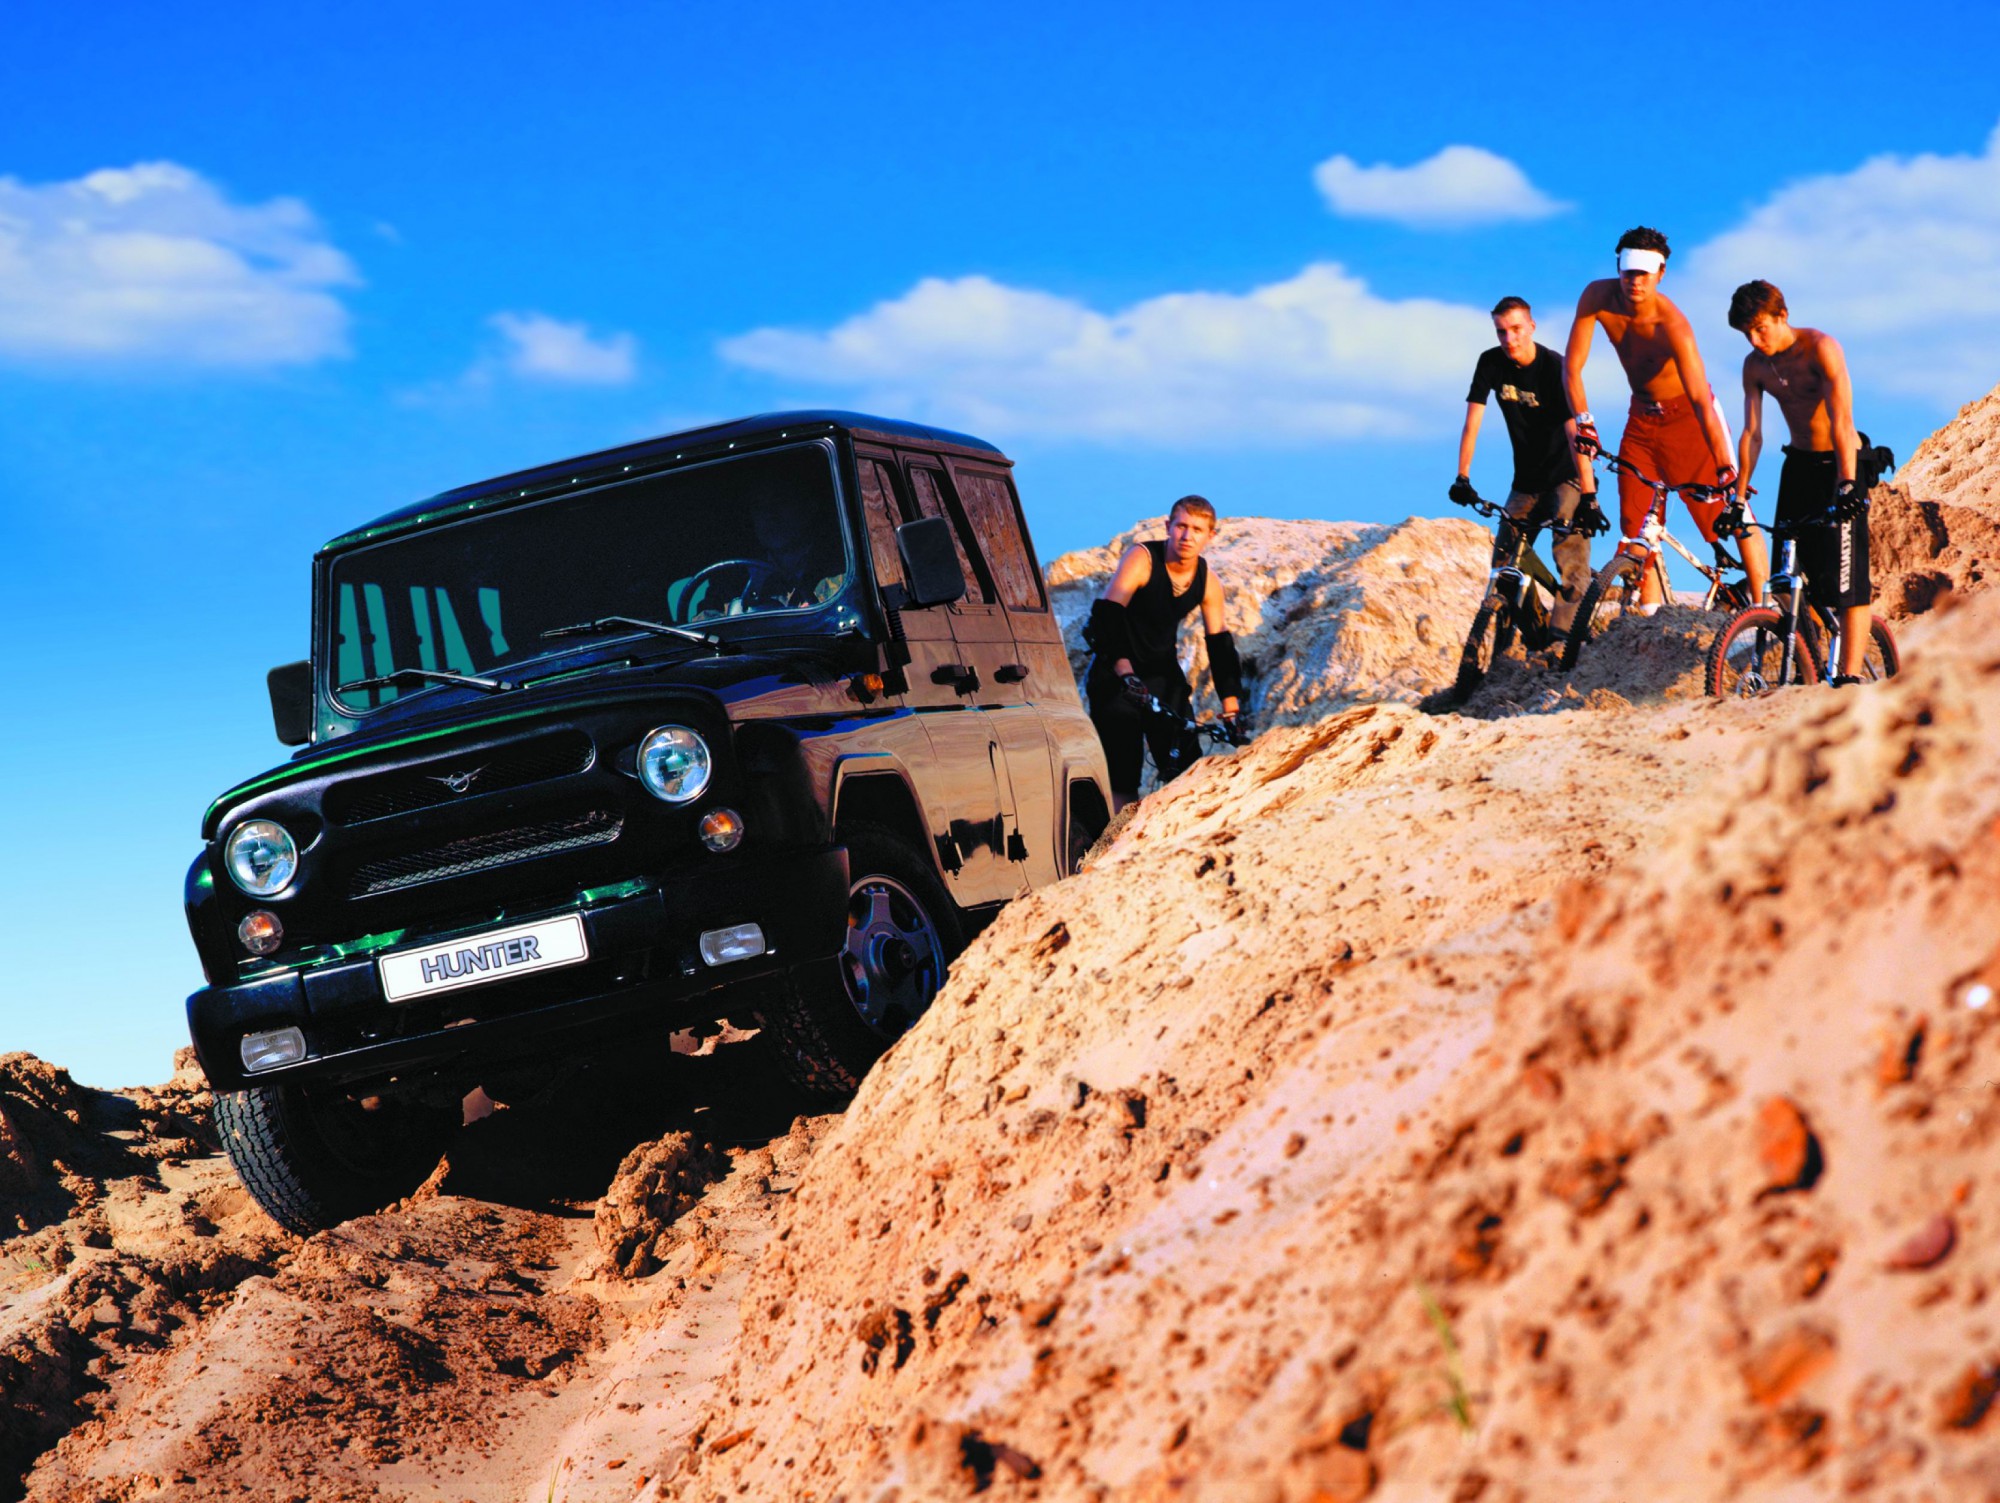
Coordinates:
[1807,372]
[1674,431]
[1134,627]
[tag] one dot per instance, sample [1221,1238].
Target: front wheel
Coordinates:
[1882,660]
[1491,635]
[1747,658]
[831,1020]
[314,1156]
[1611,595]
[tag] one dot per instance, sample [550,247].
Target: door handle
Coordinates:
[1010,673]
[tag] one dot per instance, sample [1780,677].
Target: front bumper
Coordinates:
[644,970]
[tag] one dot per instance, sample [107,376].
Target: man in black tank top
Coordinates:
[1134,628]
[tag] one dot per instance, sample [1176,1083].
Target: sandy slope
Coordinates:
[1591,1095]
[1495,1014]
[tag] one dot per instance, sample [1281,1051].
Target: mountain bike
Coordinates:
[1513,606]
[1766,646]
[1615,591]
[1189,734]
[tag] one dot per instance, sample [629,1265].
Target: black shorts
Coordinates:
[1835,558]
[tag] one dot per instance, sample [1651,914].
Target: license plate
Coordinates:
[476,959]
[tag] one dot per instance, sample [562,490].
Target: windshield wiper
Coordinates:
[430,676]
[658,628]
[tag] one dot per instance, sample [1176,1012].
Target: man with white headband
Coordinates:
[1674,430]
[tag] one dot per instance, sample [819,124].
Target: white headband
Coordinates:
[1633,259]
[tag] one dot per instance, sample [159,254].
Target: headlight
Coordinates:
[673,764]
[261,857]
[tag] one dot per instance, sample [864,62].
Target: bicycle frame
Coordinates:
[1653,532]
[1517,558]
[1789,583]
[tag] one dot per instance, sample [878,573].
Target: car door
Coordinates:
[1034,682]
[960,798]
[985,636]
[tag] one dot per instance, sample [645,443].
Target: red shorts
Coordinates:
[1664,440]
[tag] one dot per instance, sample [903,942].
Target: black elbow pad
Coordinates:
[1224,665]
[1109,632]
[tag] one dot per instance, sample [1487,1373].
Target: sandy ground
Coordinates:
[1594,1094]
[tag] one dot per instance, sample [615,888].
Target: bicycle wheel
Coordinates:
[1613,592]
[1748,655]
[1884,660]
[1482,645]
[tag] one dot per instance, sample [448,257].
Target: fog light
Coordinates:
[739,942]
[722,830]
[261,932]
[266,1051]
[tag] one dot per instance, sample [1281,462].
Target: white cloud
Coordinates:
[154,263]
[1461,185]
[1898,258]
[540,348]
[1318,356]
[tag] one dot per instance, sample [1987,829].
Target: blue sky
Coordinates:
[265,273]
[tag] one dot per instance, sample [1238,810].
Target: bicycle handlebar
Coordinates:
[1830,517]
[1214,730]
[1487,508]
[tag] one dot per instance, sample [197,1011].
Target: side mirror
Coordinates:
[291,686]
[930,562]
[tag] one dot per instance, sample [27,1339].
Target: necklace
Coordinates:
[1772,361]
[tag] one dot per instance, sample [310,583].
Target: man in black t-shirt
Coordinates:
[1550,482]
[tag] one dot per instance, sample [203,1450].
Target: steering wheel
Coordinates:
[756,574]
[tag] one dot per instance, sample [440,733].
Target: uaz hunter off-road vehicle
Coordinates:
[765,717]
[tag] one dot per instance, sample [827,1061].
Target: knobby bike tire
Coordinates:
[1482,646]
[1612,591]
[1882,660]
[1746,658]
[1885,659]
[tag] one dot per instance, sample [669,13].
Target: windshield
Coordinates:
[748,536]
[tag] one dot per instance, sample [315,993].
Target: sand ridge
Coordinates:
[1592,1094]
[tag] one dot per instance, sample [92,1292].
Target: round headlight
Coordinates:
[673,764]
[261,857]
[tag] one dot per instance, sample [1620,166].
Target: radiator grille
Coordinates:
[478,853]
[463,776]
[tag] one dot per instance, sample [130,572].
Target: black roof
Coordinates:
[767,425]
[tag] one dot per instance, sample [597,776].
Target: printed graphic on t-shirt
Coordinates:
[1516,394]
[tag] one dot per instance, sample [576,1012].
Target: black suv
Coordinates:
[764,718]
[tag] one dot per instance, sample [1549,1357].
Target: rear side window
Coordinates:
[929,485]
[996,521]
[878,500]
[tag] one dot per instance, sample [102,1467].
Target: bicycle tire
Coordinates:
[1482,646]
[1882,660]
[1612,591]
[1747,655]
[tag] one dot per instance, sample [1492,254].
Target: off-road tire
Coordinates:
[312,1158]
[1492,634]
[816,1014]
[1745,659]
[1882,660]
[1084,833]
[1613,589]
